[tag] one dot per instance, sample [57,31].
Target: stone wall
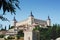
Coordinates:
[1,38]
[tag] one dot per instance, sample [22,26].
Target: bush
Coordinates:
[20,34]
[10,37]
[1,36]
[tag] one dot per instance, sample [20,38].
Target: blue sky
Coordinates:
[40,9]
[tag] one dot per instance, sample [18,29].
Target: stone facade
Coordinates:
[28,25]
[31,35]
[33,21]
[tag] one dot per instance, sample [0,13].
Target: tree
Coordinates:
[5,27]
[9,6]
[58,30]
[55,31]
[3,18]
[49,33]
[9,27]
[20,34]
[0,26]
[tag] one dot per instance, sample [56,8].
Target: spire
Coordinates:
[48,18]
[31,14]
[14,19]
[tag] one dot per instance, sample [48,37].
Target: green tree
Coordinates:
[5,27]
[20,34]
[54,32]
[0,26]
[58,30]
[9,27]
[49,33]
[9,5]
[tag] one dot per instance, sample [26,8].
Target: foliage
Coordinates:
[11,27]
[49,33]
[1,36]
[3,18]
[54,32]
[36,28]
[9,5]
[20,34]
[10,37]
[5,27]
[1,26]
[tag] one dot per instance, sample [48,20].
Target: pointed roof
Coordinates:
[14,19]
[48,18]
[31,14]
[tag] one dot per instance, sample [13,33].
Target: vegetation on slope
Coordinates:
[49,33]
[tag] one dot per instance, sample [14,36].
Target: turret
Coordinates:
[31,18]
[14,22]
[48,21]
[31,15]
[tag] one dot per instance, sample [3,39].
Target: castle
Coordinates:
[32,21]
[27,27]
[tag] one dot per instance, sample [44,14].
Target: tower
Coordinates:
[31,18]
[48,21]
[31,35]
[14,22]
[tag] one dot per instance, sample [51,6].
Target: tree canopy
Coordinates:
[52,32]
[8,6]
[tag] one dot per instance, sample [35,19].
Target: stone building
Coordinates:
[29,34]
[31,20]
[27,27]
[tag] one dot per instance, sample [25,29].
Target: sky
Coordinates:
[40,9]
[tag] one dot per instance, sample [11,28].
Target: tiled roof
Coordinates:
[39,21]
